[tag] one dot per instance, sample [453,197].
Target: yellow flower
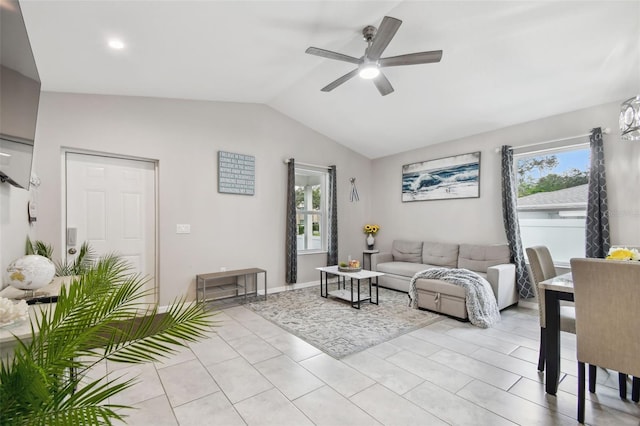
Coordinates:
[371,229]
[619,253]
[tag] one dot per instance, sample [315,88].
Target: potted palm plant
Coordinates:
[83,261]
[99,316]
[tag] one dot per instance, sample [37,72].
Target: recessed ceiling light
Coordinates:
[114,43]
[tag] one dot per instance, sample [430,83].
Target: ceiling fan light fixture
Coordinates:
[369,71]
[630,119]
[116,44]
[369,64]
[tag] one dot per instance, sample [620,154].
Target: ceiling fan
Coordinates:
[369,65]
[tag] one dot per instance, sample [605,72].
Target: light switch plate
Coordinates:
[182,228]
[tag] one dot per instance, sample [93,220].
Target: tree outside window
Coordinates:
[552,200]
[545,174]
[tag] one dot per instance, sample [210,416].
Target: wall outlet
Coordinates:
[183,229]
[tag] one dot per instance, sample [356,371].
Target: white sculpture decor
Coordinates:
[30,272]
[10,311]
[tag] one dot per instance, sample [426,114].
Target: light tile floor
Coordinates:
[251,372]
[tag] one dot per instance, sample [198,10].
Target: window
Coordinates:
[311,209]
[552,200]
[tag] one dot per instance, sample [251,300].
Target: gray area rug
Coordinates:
[336,328]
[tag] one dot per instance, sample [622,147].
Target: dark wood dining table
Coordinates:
[555,289]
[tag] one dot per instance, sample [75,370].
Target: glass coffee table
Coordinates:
[354,295]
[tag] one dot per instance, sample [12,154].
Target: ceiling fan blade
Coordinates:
[383,85]
[332,55]
[383,36]
[411,59]
[329,87]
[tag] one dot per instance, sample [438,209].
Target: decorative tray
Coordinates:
[347,269]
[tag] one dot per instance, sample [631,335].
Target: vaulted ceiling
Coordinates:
[504,62]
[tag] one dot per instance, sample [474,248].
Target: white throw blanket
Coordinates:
[481,303]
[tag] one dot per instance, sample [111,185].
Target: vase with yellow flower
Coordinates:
[371,231]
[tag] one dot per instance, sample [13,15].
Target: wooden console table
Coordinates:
[228,284]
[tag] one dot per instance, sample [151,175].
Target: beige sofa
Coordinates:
[406,258]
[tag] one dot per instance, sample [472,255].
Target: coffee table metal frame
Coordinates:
[353,277]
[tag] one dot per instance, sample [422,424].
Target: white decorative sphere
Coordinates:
[30,272]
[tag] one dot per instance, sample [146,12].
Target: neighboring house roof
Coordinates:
[563,199]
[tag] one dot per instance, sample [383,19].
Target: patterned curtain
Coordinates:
[291,239]
[332,251]
[597,240]
[511,225]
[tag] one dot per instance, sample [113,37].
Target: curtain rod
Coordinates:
[605,131]
[286,161]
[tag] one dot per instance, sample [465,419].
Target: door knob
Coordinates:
[72,250]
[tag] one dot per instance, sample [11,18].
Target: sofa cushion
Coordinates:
[440,254]
[479,257]
[406,269]
[407,251]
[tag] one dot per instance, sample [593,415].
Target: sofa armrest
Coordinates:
[380,258]
[503,283]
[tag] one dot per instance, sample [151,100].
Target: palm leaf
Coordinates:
[82,263]
[153,335]
[100,315]
[39,248]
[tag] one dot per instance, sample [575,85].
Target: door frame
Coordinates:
[63,176]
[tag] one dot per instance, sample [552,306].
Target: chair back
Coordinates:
[607,302]
[541,264]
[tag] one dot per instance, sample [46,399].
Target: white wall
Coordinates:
[479,220]
[231,231]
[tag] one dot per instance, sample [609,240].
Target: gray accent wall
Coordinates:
[479,220]
[235,231]
[227,230]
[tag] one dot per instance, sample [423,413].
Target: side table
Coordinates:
[366,254]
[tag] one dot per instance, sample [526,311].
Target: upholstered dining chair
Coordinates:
[541,264]
[622,378]
[607,296]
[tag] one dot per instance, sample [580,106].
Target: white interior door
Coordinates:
[111,204]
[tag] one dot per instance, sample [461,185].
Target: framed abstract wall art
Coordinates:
[442,179]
